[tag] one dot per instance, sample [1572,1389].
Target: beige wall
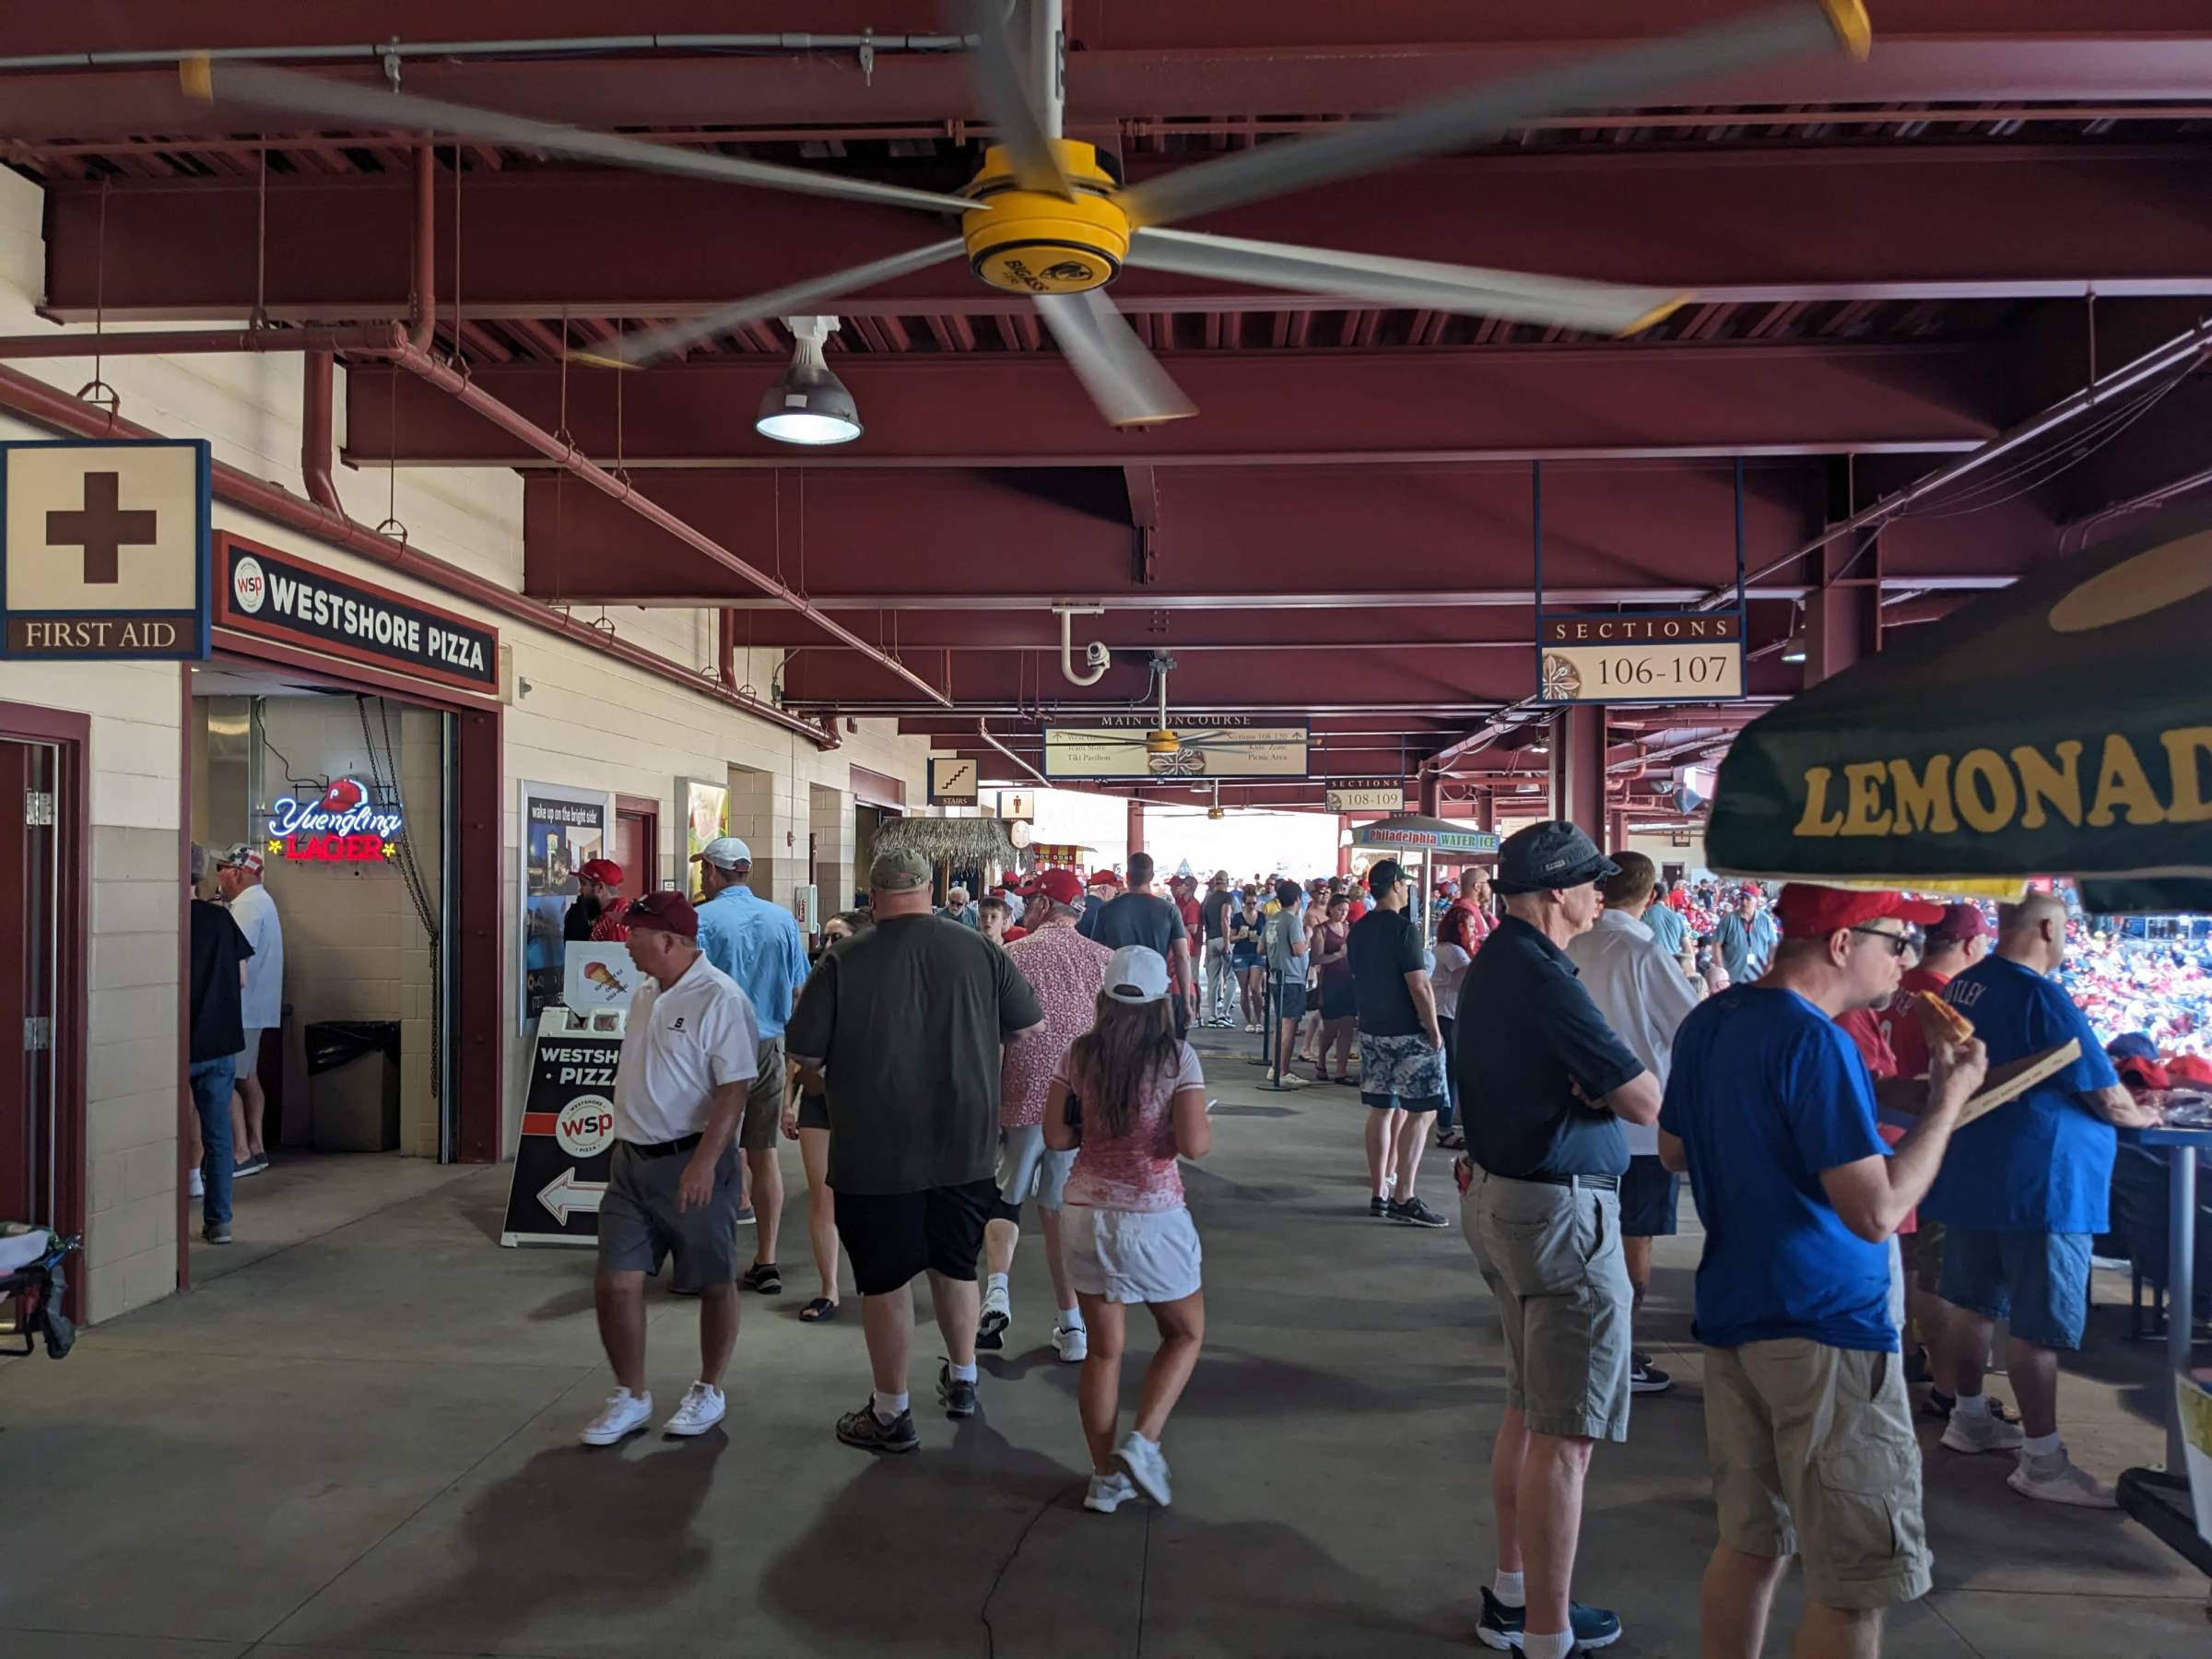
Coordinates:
[577,718]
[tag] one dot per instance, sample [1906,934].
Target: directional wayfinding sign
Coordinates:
[567,1131]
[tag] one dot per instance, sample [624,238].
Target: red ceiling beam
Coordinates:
[1768,225]
[1130,58]
[1609,401]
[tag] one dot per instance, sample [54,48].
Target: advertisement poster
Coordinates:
[598,976]
[563,829]
[705,809]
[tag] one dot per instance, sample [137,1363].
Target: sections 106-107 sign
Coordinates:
[1694,656]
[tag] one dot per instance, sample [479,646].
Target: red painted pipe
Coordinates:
[318,371]
[35,400]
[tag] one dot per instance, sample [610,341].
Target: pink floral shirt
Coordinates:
[1066,970]
[1137,1171]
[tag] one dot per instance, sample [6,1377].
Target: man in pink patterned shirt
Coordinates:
[1066,970]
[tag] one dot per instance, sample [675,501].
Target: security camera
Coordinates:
[1096,655]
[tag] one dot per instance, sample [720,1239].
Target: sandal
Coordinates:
[818,1311]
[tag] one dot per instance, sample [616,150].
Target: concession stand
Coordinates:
[1406,833]
[2062,726]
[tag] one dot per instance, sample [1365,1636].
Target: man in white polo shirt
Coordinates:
[689,1055]
[238,873]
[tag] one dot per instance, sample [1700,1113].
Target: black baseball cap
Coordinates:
[1384,874]
[1554,854]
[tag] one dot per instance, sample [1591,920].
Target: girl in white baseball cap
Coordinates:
[1130,1097]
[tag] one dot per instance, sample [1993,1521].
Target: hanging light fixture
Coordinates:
[809,403]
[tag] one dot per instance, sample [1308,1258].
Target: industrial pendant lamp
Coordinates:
[809,403]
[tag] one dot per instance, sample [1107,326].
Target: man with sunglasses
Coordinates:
[2019,1205]
[1808,1429]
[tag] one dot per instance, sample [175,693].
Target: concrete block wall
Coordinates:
[829,822]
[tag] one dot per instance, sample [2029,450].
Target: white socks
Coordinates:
[961,1373]
[1557,1646]
[2044,1446]
[1071,1318]
[994,1281]
[1507,1589]
[889,1408]
[1972,1406]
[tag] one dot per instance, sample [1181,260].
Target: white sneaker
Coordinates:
[1108,1492]
[998,1313]
[1144,1464]
[2055,1479]
[700,1409]
[625,1413]
[195,1184]
[1072,1343]
[1982,1431]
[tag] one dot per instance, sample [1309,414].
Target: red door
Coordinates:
[635,835]
[27,804]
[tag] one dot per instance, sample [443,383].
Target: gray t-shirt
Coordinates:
[908,1020]
[1287,957]
[1141,919]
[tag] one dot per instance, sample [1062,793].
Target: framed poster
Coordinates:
[563,829]
[705,810]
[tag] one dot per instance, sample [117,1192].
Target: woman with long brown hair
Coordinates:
[1130,1098]
[1455,947]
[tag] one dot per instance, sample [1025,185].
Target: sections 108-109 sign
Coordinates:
[341,826]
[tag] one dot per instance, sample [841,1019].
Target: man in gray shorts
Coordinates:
[1541,1210]
[689,1055]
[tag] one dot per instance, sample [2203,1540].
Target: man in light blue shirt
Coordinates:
[757,945]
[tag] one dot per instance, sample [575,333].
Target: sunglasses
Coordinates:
[1899,942]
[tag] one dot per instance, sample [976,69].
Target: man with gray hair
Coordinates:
[904,1029]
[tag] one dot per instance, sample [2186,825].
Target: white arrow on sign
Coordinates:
[564,1193]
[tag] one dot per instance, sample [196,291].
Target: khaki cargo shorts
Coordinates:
[1813,1455]
[763,1098]
[1551,1256]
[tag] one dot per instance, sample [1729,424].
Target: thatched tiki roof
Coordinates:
[962,842]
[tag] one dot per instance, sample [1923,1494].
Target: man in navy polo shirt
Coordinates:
[2019,1204]
[1540,1186]
[1808,1429]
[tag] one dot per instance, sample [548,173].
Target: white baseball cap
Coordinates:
[724,852]
[1136,974]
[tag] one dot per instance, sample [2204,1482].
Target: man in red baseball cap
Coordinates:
[598,914]
[689,1055]
[1066,970]
[1770,1110]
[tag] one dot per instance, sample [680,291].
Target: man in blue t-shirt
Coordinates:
[2024,1197]
[1770,1111]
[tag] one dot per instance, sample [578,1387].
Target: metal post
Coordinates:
[2180,1294]
[1047,62]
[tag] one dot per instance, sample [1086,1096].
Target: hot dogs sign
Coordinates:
[342,825]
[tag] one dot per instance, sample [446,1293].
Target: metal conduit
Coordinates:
[556,46]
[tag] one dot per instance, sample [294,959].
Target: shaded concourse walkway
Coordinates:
[366,1443]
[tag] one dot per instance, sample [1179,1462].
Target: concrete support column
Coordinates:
[770,815]
[1578,767]
[1486,810]
[1137,825]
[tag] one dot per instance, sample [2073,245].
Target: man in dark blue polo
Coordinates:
[1541,1210]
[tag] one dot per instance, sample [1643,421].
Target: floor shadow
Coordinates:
[1257,1111]
[488,1219]
[567,1305]
[1202,1186]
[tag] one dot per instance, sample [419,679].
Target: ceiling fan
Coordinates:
[1047,218]
[1170,753]
[1217,811]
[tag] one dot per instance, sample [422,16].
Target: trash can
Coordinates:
[353,1085]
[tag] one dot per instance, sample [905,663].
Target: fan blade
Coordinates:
[1792,28]
[1007,102]
[634,351]
[1417,284]
[340,102]
[1128,385]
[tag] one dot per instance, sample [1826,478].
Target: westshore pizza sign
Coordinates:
[274,595]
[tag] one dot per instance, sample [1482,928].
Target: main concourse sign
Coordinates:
[1124,747]
[103,549]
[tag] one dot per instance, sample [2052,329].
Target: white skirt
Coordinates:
[1131,1255]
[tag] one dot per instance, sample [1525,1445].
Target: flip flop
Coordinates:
[818,1311]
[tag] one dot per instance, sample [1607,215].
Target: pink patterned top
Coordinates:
[1137,1171]
[1066,970]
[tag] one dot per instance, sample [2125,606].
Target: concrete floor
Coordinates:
[365,1443]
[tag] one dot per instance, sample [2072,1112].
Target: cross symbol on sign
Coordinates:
[100,528]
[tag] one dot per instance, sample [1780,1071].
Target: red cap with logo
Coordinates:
[1807,910]
[1061,886]
[1104,878]
[604,870]
[671,913]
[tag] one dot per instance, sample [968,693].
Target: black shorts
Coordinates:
[1339,1000]
[1649,1194]
[891,1237]
[1290,999]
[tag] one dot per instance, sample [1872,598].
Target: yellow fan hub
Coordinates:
[1163,743]
[1032,242]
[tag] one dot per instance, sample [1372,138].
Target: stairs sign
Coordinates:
[568,1139]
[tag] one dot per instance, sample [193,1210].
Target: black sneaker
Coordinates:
[1646,1378]
[762,1279]
[871,1433]
[1378,1207]
[1917,1370]
[956,1397]
[1414,1213]
[1502,1627]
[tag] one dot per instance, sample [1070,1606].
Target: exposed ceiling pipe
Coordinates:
[391,53]
[422,303]
[318,373]
[983,730]
[2177,356]
[35,400]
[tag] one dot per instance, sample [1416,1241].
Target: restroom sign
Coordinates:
[105,549]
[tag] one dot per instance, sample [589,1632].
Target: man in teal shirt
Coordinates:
[757,945]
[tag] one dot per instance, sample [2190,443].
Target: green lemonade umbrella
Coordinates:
[2062,726]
